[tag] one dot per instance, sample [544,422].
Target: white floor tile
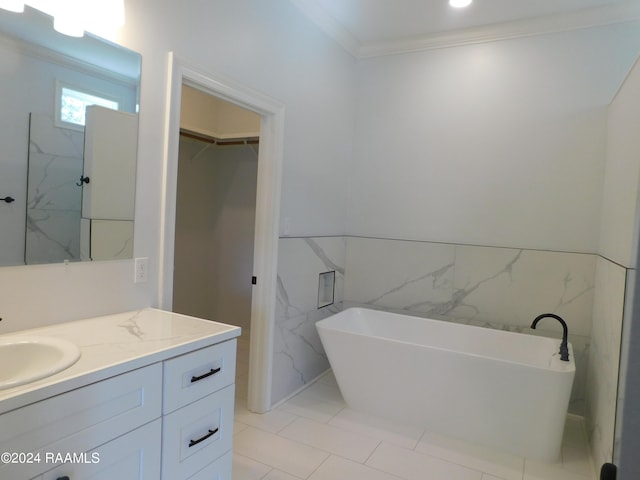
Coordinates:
[286,455]
[574,460]
[331,439]
[247,469]
[272,421]
[405,436]
[306,406]
[314,436]
[319,402]
[543,471]
[576,455]
[501,464]
[238,427]
[328,378]
[337,468]
[417,466]
[324,392]
[278,475]
[574,431]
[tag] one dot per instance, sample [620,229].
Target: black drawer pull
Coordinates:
[213,371]
[203,438]
[63,478]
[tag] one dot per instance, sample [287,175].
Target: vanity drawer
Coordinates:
[218,470]
[197,374]
[81,419]
[135,455]
[195,435]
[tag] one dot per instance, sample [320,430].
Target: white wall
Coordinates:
[604,358]
[267,46]
[619,229]
[619,243]
[498,144]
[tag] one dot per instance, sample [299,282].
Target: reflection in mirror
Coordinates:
[49,81]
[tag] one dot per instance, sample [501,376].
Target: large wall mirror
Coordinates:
[68,143]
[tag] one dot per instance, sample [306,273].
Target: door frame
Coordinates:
[265,259]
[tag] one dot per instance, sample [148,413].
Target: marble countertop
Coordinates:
[115,344]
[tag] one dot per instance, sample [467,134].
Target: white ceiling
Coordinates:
[378,27]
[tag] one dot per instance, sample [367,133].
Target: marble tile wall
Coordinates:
[53,198]
[604,358]
[500,288]
[493,287]
[299,356]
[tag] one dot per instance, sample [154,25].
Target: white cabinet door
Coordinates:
[79,420]
[134,456]
[110,148]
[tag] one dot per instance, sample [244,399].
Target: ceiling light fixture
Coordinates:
[73,17]
[69,18]
[460,3]
[12,5]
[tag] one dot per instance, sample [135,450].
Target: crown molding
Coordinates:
[584,18]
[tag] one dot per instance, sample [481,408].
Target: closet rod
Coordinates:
[220,141]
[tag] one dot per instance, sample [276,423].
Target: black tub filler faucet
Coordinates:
[564,348]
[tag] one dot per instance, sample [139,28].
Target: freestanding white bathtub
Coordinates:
[500,389]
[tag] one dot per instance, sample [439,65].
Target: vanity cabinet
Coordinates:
[198,411]
[170,420]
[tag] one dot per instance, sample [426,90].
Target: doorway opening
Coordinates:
[215,216]
[263,277]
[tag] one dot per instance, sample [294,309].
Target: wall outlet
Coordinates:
[141,270]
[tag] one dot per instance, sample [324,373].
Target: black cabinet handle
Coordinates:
[213,371]
[63,478]
[201,439]
[7,199]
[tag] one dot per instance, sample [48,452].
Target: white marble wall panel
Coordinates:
[55,165]
[52,236]
[486,286]
[399,274]
[298,353]
[514,286]
[52,181]
[111,239]
[604,358]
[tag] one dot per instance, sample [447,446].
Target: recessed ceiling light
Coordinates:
[460,3]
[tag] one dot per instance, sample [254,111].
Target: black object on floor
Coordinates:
[608,471]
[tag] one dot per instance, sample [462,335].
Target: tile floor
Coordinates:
[315,436]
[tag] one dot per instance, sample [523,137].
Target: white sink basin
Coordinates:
[24,359]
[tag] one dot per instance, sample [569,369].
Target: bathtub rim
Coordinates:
[555,364]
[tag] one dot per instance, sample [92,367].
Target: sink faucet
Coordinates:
[564,348]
